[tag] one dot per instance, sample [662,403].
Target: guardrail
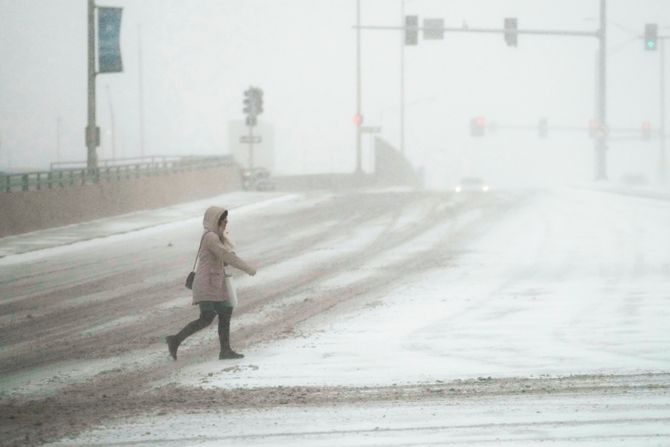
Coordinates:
[62,178]
[105,163]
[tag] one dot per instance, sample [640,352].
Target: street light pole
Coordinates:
[359,168]
[58,132]
[141,89]
[402,79]
[601,141]
[91,129]
[111,121]
[662,174]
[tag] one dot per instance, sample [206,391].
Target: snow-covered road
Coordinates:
[494,302]
[568,283]
[620,418]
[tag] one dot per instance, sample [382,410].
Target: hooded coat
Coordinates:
[215,253]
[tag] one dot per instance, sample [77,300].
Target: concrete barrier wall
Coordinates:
[391,169]
[25,211]
[21,212]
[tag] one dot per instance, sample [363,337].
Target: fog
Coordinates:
[493,306]
[198,56]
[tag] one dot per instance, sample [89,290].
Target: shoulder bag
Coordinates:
[191,276]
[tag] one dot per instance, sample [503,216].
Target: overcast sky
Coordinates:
[199,56]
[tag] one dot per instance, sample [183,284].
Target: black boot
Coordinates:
[173,341]
[173,344]
[230,354]
[224,336]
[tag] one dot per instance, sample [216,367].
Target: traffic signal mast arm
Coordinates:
[483,30]
[645,131]
[510,32]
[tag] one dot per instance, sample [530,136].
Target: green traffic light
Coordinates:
[650,36]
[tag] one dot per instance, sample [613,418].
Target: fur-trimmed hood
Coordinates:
[211,220]
[211,223]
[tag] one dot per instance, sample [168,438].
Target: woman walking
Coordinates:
[209,290]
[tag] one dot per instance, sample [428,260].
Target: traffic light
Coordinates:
[650,36]
[411,30]
[248,101]
[253,101]
[477,126]
[543,128]
[646,130]
[511,28]
[259,101]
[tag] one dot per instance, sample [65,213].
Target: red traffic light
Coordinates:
[594,127]
[358,119]
[477,126]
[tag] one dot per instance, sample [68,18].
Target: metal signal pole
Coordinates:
[58,132]
[141,89]
[251,146]
[601,141]
[91,128]
[600,145]
[359,168]
[662,166]
[111,120]
[402,79]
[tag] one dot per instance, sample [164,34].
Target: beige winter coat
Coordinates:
[216,251]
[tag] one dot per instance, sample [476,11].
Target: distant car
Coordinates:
[471,184]
[257,179]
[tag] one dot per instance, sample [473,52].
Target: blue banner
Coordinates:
[109,48]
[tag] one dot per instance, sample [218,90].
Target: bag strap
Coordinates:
[197,255]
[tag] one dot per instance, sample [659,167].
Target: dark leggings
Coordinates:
[206,318]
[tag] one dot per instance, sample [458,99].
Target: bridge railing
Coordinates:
[108,171]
